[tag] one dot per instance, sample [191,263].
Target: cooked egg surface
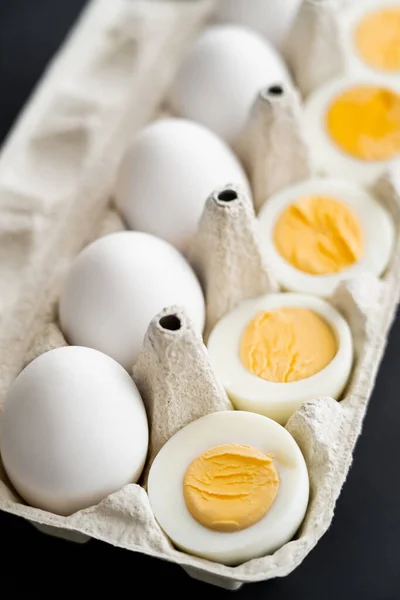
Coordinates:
[73,430]
[364,122]
[273,370]
[271,19]
[234,471]
[167,175]
[377,38]
[117,285]
[229,487]
[353,127]
[319,232]
[287,344]
[371,36]
[221,76]
[319,235]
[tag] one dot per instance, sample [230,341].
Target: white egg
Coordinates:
[280,399]
[117,285]
[270,18]
[273,530]
[371,38]
[360,122]
[73,430]
[221,76]
[168,174]
[375,225]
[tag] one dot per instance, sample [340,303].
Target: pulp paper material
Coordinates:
[387,187]
[49,338]
[226,254]
[111,223]
[56,175]
[59,165]
[175,379]
[274,136]
[314,49]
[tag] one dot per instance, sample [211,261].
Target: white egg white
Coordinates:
[350,17]
[73,430]
[167,174]
[221,76]
[277,527]
[117,285]
[277,400]
[326,156]
[376,223]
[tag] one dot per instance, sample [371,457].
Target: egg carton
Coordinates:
[56,177]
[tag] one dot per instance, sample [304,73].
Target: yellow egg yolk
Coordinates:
[319,235]
[287,344]
[377,38]
[230,487]
[364,121]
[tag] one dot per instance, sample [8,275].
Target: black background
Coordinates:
[358,559]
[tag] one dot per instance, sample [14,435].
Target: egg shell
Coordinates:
[377,226]
[73,430]
[277,527]
[277,400]
[327,158]
[166,176]
[117,285]
[271,19]
[349,19]
[219,79]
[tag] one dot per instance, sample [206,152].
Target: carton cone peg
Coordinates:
[315,51]
[226,254]
[273,145]
[175,378]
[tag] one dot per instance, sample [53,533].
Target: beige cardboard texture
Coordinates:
[56,175]
[225,251]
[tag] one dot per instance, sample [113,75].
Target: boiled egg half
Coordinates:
[230,486]
[318,232]
[353,127]
[274,352]
[371,37]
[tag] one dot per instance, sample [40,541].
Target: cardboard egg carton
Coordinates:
[56,177]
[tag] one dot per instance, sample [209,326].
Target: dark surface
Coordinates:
[358,559]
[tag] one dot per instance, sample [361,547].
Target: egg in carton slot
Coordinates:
[174,369]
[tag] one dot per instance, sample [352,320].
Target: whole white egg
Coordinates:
[73,430]
[117,285]
[167,175]
[221,76]
[270,18]
[247,502]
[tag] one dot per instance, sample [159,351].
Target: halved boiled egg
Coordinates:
[230,486]
[371,37]
[321,231]
[274,352]
[353,127]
